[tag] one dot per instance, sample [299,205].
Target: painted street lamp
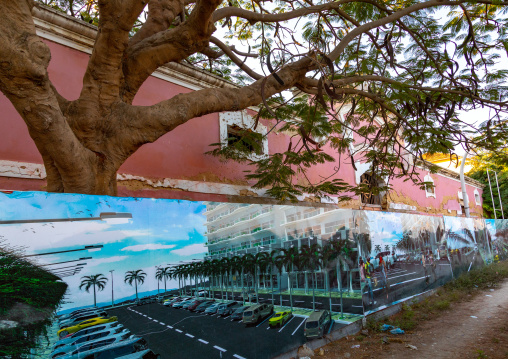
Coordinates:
[77,265]
[110,217]
[75,260]
[112,296]
[86,248]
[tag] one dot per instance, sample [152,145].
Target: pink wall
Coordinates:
[180,154]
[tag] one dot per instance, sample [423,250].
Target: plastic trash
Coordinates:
[475,317]
[488,295]
[386,327]
[397,331]
[412,347]
[356,346]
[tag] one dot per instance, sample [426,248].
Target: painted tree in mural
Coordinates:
[94,280]
[135,276]
[404,72]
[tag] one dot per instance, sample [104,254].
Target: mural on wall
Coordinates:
[122,234]
[129,256]
[463,247]
[408,256]
[497,230]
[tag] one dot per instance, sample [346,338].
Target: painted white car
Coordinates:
[95,343]
[113,328]
[111,350]
[90,337]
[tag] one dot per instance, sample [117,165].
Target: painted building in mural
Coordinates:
[175,166]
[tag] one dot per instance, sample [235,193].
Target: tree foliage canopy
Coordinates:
[400,71]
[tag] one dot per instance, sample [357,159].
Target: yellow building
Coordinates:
[443,160]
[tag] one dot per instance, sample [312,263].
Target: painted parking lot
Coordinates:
[178,333]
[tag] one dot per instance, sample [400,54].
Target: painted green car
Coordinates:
[279,319]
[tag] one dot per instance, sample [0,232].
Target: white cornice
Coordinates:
[76,34]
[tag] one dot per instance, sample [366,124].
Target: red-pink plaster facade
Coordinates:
[178,157]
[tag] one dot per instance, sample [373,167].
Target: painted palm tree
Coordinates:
[159,276]
[135,276]
[206,271]
[236,270]
[377,248]
[312,257]
[292,256]
[259,267]
[94,280]
[178,273]
[215,271]
[326,256]
[249,263]
[224,272]
[279,261]
[337,253]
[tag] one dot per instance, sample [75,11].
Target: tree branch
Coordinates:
[103,75]
[171,45]
[149,123]
[161,14]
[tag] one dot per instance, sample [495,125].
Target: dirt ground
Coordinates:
[455,334]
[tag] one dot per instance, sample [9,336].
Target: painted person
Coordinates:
[369,269]
[432,265]
[361,270]
[382,265]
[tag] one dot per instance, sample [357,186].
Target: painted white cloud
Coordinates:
[99,261]
[191,249]
[148,247]
[51,236]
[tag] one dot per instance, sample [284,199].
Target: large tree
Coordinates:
[404,68]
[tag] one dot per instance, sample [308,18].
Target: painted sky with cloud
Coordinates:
[161,232]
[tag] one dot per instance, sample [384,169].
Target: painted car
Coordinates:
[238,313]
[212,309]
[85,324]
[111,350]
[280,318]
[114,327]
[96,340]
[182,303]
[78,319]
[202,307]
[317,323]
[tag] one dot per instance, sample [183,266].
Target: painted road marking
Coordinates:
[219,348]
[268,328]
[401,275]
[286,324]
[163,323]
[265,320]
[299,326]
[410,280]
[203,341]
[238,356]
[150,318]
[189,335]
[178,330]
[169,326]
[156,321]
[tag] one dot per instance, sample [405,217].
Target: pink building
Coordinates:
[175,166]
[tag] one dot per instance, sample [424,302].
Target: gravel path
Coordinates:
[455,334]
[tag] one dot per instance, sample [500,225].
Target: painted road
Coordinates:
[178,333]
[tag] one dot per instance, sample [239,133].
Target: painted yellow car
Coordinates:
[85,324]
[279,319]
